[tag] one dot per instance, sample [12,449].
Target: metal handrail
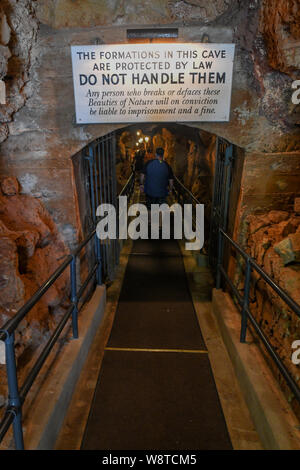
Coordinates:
[9,327]
[185,190]
[129,186]
[13,412]
[243,301]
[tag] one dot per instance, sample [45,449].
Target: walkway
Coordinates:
[155,389]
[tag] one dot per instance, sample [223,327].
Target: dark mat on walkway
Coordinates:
[155,308]
[159,401]
[156,247]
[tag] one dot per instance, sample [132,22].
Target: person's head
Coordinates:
[159,152]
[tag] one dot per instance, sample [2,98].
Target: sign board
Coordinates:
[152,82]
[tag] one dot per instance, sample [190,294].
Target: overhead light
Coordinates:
[147,139]
[141,140]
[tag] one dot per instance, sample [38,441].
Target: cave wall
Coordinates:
[38,129]
[39,136]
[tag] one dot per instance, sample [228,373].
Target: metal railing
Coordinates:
[184,195]
[16,394]
[243,302]
[128,188]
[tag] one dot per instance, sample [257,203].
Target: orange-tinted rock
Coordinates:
[11,285]
[24,213]
[289,249]
[10,186]
[274,241]
[281,29]
[295,241]
[30,251]
[277,216]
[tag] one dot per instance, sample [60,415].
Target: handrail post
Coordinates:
[98,260]
[13,391]
[74,298]
[220,258]
[245,301]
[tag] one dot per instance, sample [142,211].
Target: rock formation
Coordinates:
[273,240]
[30,251]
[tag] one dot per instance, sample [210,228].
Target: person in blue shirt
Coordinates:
[156,179]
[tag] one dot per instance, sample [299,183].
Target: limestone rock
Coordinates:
[281,29]
[11,285]
[5,54]
[289,248]
[4,29]
[290,281]
[277,216]
[198,9]
[30,251]
[295,241]
[285,251]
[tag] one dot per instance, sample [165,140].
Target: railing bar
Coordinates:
[12,324]
[82,245]
[186,190]
[238,248]
[124,189]
[291,303]
[86,282]
[105,200]
[90,158]
[236,292]
[6,421]
[9,327]
[290,381]
[110,171]
[102,199]
[44,354]
[107,176]
[96,174]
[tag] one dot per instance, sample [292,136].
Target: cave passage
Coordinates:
[155,389]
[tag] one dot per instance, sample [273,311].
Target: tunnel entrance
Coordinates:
[209,167]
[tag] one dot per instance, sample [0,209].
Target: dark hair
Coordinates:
[160,151]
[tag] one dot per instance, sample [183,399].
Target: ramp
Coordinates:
[155,389]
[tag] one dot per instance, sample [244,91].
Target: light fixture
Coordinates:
[141,140]
[146,139]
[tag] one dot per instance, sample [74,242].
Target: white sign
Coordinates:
[152,82]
